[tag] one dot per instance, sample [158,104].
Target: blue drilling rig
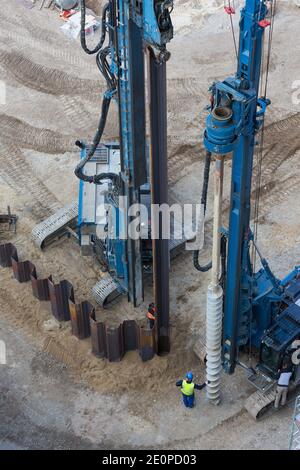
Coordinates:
[114,177]
[138,32]
[261,312]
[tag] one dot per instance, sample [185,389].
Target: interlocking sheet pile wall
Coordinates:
[113,343]
[107,342]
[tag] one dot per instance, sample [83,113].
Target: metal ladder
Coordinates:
[295,433]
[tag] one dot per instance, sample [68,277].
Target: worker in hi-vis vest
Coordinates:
[187,389]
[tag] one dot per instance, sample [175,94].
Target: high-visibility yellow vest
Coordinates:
[187,388]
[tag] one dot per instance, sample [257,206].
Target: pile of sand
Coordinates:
[18,306]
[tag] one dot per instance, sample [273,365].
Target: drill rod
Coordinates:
[159,192]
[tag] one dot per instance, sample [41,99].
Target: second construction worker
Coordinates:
[285,374]
[151,315]
[187,389]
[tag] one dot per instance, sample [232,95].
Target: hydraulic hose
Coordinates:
[103,65]
[197,264]
[206,179]
[223,262]
[96,179]
[82,31]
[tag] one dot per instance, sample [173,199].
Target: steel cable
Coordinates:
[260,156]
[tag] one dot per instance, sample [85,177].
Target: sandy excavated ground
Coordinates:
[54,393]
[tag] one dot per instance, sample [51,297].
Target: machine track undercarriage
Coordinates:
[63,223]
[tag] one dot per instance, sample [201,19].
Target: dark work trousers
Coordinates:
[188,400]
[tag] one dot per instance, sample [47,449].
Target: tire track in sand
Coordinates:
[45,79]
[282,141]
[18,132]
[16,172]
[284,138]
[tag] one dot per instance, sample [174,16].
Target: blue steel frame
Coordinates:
[136,27]
[252,300]
[133,26]
[131,258]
